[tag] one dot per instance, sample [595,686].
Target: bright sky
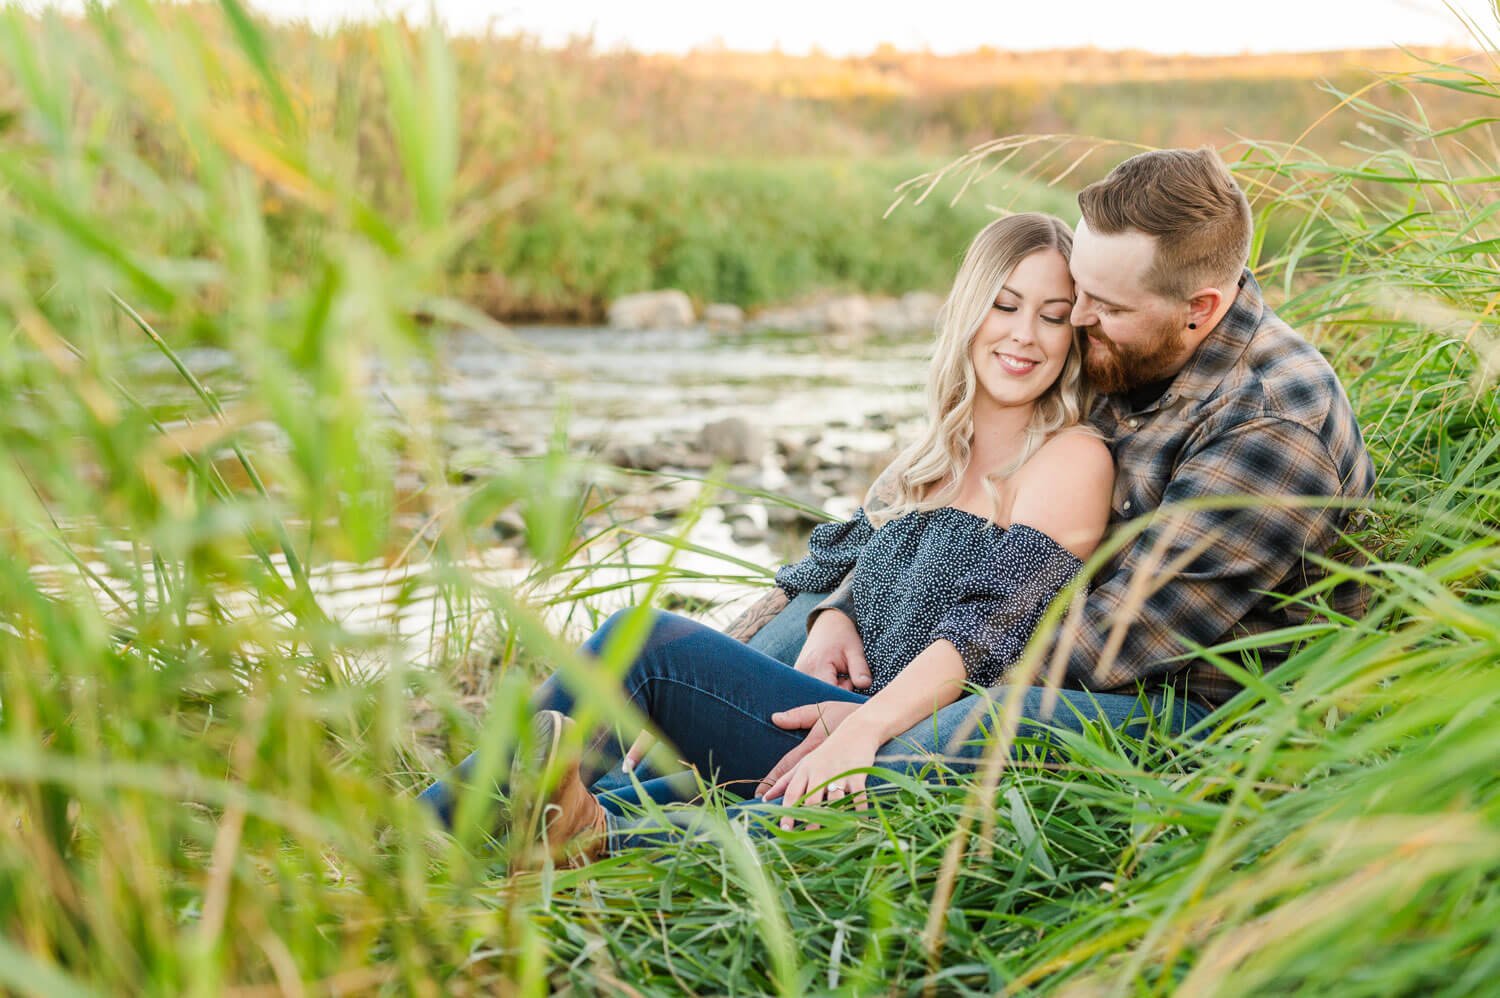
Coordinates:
[845,27]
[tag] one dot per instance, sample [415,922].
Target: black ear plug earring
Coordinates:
[1192,325]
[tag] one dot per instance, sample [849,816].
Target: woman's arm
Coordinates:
[1059,512]
[933,680]
[1064,494]
[833,650]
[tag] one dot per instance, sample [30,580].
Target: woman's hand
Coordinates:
[818,720]
[835,653]
[821,775]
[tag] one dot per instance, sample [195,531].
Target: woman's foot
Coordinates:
[573,822]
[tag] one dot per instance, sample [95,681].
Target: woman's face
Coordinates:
[1020,347]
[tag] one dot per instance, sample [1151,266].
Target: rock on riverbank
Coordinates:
[652,310]
[724,317]
[915,311]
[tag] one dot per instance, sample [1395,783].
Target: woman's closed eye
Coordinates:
[1055,320]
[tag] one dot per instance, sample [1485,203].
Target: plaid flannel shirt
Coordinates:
[1256,412]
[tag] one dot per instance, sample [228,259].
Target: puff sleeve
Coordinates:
[1002,600]
[832,551]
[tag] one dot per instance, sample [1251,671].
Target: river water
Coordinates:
[638,386]
[847,401]
[856,398]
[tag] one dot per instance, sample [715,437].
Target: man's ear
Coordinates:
[1202,307]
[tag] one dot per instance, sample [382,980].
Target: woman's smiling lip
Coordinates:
[1019,365]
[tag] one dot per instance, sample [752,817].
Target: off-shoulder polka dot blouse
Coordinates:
[943,573]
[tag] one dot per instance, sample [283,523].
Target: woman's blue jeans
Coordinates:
[712,698]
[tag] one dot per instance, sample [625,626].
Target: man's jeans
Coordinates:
[712,698]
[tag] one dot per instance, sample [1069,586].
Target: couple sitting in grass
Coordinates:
[1082,379]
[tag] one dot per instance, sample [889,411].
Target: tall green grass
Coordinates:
[750,231]
[566,186]
[581,175]
[205,781]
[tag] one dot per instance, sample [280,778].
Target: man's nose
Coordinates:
[1082,316]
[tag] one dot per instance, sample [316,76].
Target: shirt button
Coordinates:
[1126,507]
[1133,423]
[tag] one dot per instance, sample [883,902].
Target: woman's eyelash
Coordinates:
[1053,319]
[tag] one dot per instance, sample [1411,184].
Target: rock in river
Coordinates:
[734,439]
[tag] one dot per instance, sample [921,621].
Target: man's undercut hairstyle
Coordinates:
[1187,199]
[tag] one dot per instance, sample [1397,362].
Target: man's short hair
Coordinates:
[1187,199]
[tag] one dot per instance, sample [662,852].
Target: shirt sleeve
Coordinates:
[832,551]
[1001,602]
[882,493]
[1214,547]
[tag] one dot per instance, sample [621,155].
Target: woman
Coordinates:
[961,544]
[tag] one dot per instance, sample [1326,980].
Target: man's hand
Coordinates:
[818,720]
[834,652]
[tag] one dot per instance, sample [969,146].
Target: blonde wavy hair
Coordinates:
[941,457]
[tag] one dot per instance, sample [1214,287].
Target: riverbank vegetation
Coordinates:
[205,782]
[581,175]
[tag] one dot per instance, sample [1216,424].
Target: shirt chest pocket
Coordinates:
[1143,465]
[1122,505]
[1133,496]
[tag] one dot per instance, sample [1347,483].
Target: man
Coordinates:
[1207,396]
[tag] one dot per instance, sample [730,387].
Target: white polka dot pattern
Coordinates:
[935,574]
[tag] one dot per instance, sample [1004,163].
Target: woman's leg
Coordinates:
[781,638]
[621,799]
[711,696]
[958,735]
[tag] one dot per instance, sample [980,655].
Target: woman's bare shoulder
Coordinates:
[1070,455]
[1064,490]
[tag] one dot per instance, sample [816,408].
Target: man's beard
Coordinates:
[1112,368]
